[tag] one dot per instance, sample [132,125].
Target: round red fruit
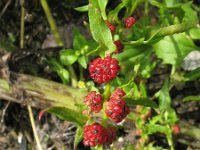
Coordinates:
[111,27]
[94,134]
[119,46]
[129,22]
[94,101]
[104,70]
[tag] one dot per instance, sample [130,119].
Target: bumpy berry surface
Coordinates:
[111,27]
[94,101]
[119,46]
[104,70]
[117,94]
[116,108]
[94,134]
[129,22]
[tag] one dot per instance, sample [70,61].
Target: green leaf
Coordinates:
[68,57]
[195,33]
[154,128]
[69,115]
[170,30]
[78,136]
[102,6]
[83,61]
[64,75]
[61,71]
[193,75]
[189,13]
[191,98]
[146,65]
[143,102]
[98,27]
[113,14]
[164,97]
[173,49]
[132,52]
[79,40]
[82,8]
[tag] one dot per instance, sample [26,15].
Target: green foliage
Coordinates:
[59,68]
[191,98]
[78,136]
[163,36]
[173,49]
[193,75]
[68,56]
[142,102]
[98,27]
[69,115]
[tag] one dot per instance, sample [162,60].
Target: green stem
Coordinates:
[132,9]
[73,76]
[22,26]
[146,6]
[52,23]
[106,95]
[34,128]
[28,106]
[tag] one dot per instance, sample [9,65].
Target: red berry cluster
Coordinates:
[111,27]
[129,22]
[96,134]
[116,108]
[94,101]
[119,46]
[104,70]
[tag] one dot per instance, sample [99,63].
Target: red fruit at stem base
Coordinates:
[129,22]
[104,70]
[176,129]
[119,46]
[117,94]
[94,134]
[111,27]
[94,101]
[116,108]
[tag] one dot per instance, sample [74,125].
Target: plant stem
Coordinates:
[106,95]
[41,93]
[52,23]
[33,127]
[28,106]
[73,76]
[22,25]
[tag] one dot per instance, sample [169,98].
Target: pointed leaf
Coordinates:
[69,115]
[79,40]
[164,97]
[143,102]
[193,75]
[191,98]
[83,61]
[78,136]
[82,8]
[173,49]
[153,128]
[98,27]
[68,57]
[102,6]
